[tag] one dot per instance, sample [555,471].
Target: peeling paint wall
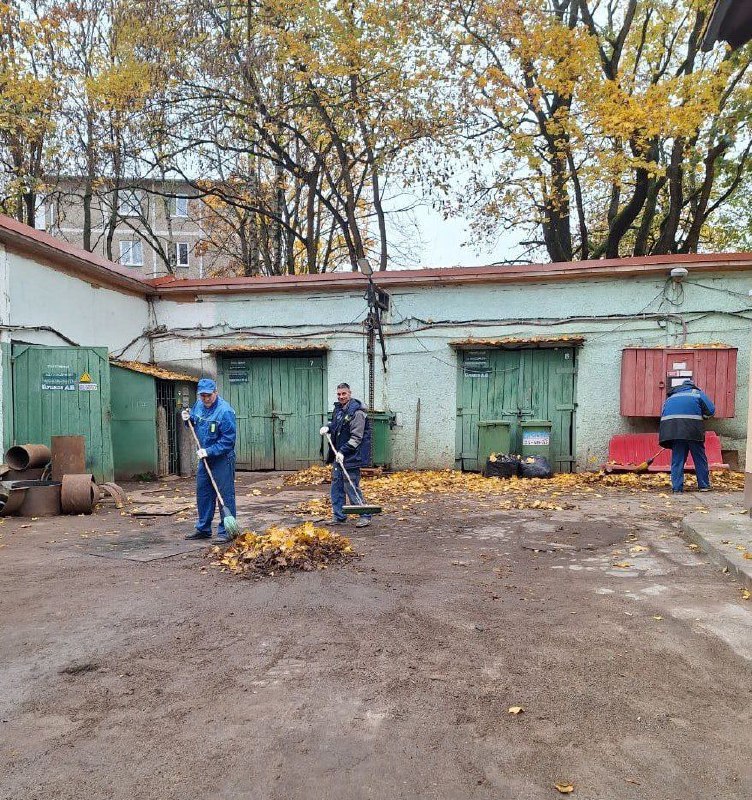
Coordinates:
[610,314]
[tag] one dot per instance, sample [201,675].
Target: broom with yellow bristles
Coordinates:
[645,464]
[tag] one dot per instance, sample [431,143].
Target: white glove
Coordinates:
[185,414]
[201,453]
[324,430]
[339,458]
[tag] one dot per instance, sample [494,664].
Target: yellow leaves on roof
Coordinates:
[521,340]
[154,370]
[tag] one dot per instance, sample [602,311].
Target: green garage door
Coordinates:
[514,386]
[280,405]
[59,391]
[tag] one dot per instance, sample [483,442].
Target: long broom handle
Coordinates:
[357,493]
[206,466]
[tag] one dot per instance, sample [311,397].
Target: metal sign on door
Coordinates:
[58,378]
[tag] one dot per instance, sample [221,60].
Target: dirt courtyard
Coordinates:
[132,668]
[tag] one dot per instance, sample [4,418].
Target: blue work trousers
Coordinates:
[680,448]
[223,470]
[341,486]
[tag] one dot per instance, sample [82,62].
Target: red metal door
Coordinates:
[647,372]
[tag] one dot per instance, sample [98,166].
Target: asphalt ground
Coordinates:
[130,667]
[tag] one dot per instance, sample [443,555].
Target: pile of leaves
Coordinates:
[303,547]
[313,476]
[404,490]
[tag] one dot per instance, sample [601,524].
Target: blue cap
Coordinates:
[206,386]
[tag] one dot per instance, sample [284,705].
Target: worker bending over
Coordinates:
[682,430]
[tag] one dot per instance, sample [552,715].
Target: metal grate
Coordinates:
[166,400]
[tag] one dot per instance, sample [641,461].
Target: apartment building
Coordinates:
[152,227]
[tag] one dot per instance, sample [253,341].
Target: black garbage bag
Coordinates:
[536,467]
[502,466]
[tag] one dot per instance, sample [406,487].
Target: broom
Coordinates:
[230,523]
[362,508]
[645,464]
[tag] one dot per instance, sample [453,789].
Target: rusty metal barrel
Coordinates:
[68,456]
[40,498]
[23,456]
[79,493]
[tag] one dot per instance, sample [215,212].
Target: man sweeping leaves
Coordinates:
[213,422]
[350,431]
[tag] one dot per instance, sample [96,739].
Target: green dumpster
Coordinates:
[493,437]
[536,438]
[382,423]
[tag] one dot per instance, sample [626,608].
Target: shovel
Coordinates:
[231,525]
[362,507]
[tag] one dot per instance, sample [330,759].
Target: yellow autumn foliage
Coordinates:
[304,547]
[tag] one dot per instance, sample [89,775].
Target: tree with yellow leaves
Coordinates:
[29,101]
[599,127]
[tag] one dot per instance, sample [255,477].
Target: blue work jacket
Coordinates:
[350,430]
[215,427]
[683,414]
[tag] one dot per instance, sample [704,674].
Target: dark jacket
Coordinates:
[350,430]
[215,427]
[683,412]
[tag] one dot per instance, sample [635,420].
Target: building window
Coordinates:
[132,203]
[178,252]
[44,216]
[180,206]
[131,253]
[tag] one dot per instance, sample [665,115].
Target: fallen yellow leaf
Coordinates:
[515,709]
[657,616]
[638,548]
[746,594]
[622,564]
[564,788]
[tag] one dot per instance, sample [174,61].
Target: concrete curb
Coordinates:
[718,535]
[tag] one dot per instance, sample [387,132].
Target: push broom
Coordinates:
[230,523]
[361,508]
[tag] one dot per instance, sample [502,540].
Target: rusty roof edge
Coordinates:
[26,240]
[481,342]
[240,347]
[152,369]
[440,277]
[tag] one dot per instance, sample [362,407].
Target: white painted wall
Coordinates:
[420,326]
[89,316]
[422,364]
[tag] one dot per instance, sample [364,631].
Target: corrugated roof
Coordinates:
[512,341]
[266,348]
[153,370]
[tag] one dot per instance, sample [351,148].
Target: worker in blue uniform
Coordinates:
[682,430]
[350,431]
[214,421]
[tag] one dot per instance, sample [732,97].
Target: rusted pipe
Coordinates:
[23,456]
[41,499]
[68,456]
[79,493]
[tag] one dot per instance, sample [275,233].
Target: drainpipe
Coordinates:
[5,320]
[748,457]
